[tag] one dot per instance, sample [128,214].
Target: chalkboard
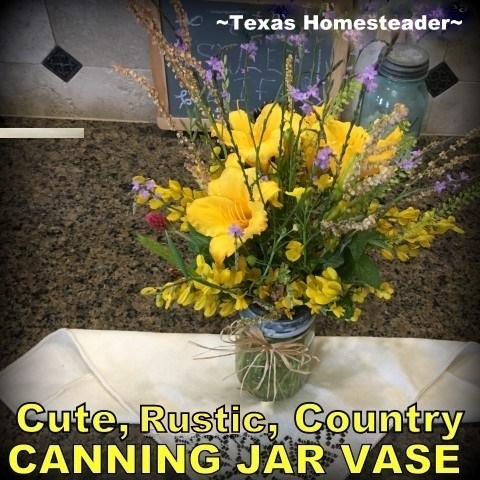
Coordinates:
[264,77]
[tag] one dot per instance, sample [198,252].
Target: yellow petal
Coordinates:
[239,120]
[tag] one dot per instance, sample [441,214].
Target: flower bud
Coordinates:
[156,221]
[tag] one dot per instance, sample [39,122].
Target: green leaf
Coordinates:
[366,272]
[347,270]
[359,271]
[198,242]
[176,255]
[362,239]
[335,261]
[157,248]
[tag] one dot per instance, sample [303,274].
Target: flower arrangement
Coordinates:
[290,205]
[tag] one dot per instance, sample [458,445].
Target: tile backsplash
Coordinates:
[98,34]
[456,110]
[102,33]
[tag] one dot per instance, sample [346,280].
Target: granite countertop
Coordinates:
[70,258]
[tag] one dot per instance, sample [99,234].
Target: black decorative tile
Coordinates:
[62,64]
[440,79]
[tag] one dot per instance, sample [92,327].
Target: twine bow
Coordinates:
[249,338]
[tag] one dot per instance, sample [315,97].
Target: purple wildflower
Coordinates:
[368,78]
[409,164]
[135,186]
[306,108]
[250,48]
[297,39]
[235,230]
[180,42]
[297,94]
[439,187]
[216,69]
[150,185]
[144,193]
[329,12]
[322,159]
[464,176]
[313,91]
[353,36]
[305,96]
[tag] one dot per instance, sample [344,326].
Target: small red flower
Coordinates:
[156,221]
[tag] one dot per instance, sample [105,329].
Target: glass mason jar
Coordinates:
[263,372]
[401,79]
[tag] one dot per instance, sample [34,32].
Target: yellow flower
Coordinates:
[405,252]
[262,188]
[294,250]
[408,215]
[335,135]
[324,289]
[356,315]
[227,214]
[385,291]
[384,151]
[227,307]
[445,224]
[297,192]
[240,302]
[148,291]
[323,182]
[386,254]
[256,142]
[186,295]
[359,294]
[337,310]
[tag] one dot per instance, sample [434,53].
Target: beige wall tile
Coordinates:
[28,90]
[455,111]
[99,33]
[94,93]
[104,94]
[25,33]
[436,46]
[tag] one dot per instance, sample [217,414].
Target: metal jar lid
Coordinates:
[284,327]
[404,62]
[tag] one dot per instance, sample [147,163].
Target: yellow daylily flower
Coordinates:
[335,134]
[262,188]
[227,214]
[256,142]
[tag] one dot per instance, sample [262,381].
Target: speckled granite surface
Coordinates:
[69,258]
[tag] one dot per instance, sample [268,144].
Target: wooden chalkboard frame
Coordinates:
[159,76]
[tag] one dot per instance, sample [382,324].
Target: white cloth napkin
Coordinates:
[120,371]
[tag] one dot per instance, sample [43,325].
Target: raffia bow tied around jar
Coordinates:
[273,358]
[273,353]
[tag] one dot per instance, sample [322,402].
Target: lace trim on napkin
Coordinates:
[235,449]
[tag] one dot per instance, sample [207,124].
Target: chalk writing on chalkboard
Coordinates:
[251,83]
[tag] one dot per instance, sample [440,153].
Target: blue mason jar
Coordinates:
[401,79]
[260,370]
